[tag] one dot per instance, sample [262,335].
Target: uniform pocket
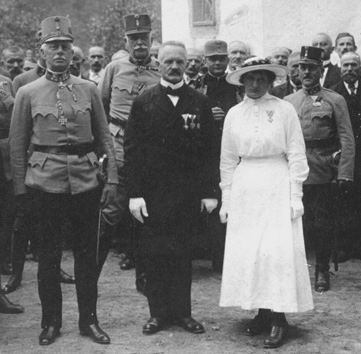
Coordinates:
[43,111]
[37,159]
[93,160]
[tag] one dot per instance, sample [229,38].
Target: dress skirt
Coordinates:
[265,263]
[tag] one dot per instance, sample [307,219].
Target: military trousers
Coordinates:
[82,211]
[319,221]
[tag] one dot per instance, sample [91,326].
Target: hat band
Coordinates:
[57,35]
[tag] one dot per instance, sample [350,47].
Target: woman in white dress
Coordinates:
[263,165]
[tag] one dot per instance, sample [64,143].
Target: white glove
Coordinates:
[297,209]
[218,113]
[209,204]
[223,214]
[138,208]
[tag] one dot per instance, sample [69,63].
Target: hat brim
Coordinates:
[216,53]
[60,38]
[129,33]
[234,76]
[310,61]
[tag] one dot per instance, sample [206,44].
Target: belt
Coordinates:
[321,143]
[76,149]
[4,133]
[118,122]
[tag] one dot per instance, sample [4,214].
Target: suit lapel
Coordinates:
[162,101]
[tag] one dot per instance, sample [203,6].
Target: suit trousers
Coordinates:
[168,286]
[82,211]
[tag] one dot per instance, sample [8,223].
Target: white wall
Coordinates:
[264,24]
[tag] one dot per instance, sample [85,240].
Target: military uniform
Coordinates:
[28,76]
[63,118]
[327,129]
[123,81]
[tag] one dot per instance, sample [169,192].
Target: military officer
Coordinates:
[170,166]
[62,117]
[25,226]
[328,135]
[125,79]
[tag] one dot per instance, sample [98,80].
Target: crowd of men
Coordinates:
[159,193]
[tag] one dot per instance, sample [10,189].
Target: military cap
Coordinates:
[137,24]
[311,55]
[55,28]
[215,47]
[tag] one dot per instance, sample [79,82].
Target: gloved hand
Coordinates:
[108,194]
[223,213]
[297,209]
[209,204]
[218,113]
[344,186]
[138,208]
[296,204]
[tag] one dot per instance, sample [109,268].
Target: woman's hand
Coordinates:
[297,209]
[223,214]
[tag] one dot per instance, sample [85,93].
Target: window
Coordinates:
[203,12]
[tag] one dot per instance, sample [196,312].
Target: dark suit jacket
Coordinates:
[170,162]
[333,76]
[354,108]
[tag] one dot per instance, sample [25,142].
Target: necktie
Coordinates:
[352,88]
[177,92]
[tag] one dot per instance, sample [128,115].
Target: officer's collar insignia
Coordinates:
[57,77]
[313,90]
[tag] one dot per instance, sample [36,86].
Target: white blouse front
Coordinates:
[261,128]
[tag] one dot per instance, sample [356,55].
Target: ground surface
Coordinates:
[333,327]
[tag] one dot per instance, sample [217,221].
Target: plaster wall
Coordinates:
[264,24]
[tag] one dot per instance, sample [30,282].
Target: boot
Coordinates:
[6,306]
[322,279]
[12,284]
[278,332]
[260,323]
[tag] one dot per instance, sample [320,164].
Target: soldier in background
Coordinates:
[328,136]
[124,80]
[13,59]
[222,96]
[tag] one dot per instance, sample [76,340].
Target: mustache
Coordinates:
[174,71]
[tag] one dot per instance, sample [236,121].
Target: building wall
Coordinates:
[264,24]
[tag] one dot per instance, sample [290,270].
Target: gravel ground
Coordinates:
[333,327]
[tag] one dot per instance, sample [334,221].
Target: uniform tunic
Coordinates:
[263,154]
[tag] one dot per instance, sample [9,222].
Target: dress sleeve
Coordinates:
[295,150]
[229,158]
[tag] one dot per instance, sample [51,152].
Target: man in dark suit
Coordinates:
[293,82]
[350,89]
[170,167]
[331,73]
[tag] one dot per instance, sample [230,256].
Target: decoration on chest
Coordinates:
[191,121]
[270,116]
[138,87]
[316,101]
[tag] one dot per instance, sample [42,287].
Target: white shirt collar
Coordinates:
[172,86]
[348,88]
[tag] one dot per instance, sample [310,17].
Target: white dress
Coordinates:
[263,153]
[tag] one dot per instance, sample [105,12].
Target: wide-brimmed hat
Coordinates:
[255,64]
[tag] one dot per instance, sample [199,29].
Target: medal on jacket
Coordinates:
[185,117]
[270,115]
